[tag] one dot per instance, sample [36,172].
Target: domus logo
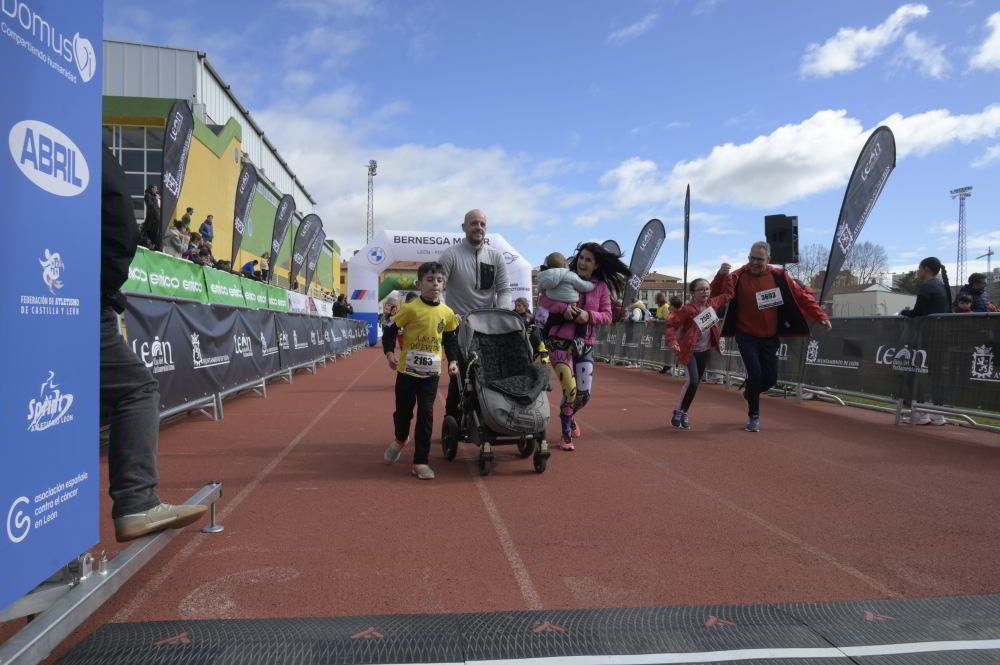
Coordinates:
[48,158]
[44,40]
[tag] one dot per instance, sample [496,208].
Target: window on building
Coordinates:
[139,150]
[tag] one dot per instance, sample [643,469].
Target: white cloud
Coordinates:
[330,139]
[632,31]
[792,162]
[946,228]
[987,56]
[991,156]
[326,8]
[928,56]
[853,48]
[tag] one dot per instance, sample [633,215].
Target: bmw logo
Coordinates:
[376,255]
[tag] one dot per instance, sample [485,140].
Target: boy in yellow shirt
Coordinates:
[429,325]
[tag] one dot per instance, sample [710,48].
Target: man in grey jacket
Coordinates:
[476,277]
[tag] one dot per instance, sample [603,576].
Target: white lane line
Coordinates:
[528,590]
[754,517]
[153,585]
[517,567]
[751,654]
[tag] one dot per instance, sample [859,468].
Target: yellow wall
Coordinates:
[210,188]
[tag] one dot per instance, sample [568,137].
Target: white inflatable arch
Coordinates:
[387,247]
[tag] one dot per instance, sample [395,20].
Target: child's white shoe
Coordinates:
[392,452]
[423,472]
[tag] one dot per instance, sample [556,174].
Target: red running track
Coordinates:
[826,503]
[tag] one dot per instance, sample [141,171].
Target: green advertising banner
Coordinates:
[277,299]
[138,273]
[175,278]
[255,293]
[224,288]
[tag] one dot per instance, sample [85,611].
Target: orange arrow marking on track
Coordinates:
[548,627]
[176,639]
[368,633]
[714,622]
[875,616]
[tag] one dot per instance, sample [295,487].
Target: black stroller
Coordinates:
[503,393]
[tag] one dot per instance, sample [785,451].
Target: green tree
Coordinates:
[908,282]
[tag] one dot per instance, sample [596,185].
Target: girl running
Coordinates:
[691,332]
[573,357]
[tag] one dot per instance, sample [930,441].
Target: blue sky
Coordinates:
[568,121]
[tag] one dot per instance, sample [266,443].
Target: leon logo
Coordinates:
[52,266]
[48,158]
[51,408]
[243,345]
[312,337]
[902,360]
[283,340]
[157,356]
[982,365]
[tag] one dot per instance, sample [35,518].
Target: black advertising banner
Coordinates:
[176,148]
[309,228]
[156,339]
[294,345]
[206,359]
[687,236]
[282,218]
[259,325]
[312,259]
[875,163]
[647,246]
[245,187]
[613,247]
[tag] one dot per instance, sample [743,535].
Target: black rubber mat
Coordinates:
[663,633]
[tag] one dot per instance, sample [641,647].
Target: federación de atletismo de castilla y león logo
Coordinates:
[52,266]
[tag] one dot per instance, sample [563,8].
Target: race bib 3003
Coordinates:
[769,298]
[423,363]
[706,319]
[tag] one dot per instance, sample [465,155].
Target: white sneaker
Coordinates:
[423,472]
[938,419]
[392,452]
[920,418]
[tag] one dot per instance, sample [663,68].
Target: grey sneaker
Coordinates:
[423,472]
[753,425]
[392,452]
[163,516]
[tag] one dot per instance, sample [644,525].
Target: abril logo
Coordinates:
[48,158]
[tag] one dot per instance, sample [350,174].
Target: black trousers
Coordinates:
[130,401]
[411,390]
[760,357]
[695,371]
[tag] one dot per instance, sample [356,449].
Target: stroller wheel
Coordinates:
[485,465]
[526,446]
[449,438]
[540,462]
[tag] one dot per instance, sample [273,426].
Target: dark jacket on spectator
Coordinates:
[119,233]
[206,231]
[932,298]
[151,225]
[342,308]
[980,299]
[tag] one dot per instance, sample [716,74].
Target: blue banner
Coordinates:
[51,174]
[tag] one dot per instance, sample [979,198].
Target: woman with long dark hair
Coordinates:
[933,297]
[934,293]
[572,357]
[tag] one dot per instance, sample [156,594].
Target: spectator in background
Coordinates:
[963,304]
[389,309]
[410,296]
[193,248]
[206,230]
[265,268]
[249,268]
[976,290]
[129,397]
[205,257]
[150,236]
[636,312]
[933,297]
[342,308]
[186,218]
[176,242]
[523,310]
[662,307]
[676,303]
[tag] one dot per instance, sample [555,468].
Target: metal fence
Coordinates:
[948,360]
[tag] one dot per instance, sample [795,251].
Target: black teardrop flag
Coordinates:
[176,147]
[309,228]
[245,188]
[647,246]
[282,219]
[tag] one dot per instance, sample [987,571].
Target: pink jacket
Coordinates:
[597,304]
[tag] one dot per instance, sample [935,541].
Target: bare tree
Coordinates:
[812,259]
[867,261]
